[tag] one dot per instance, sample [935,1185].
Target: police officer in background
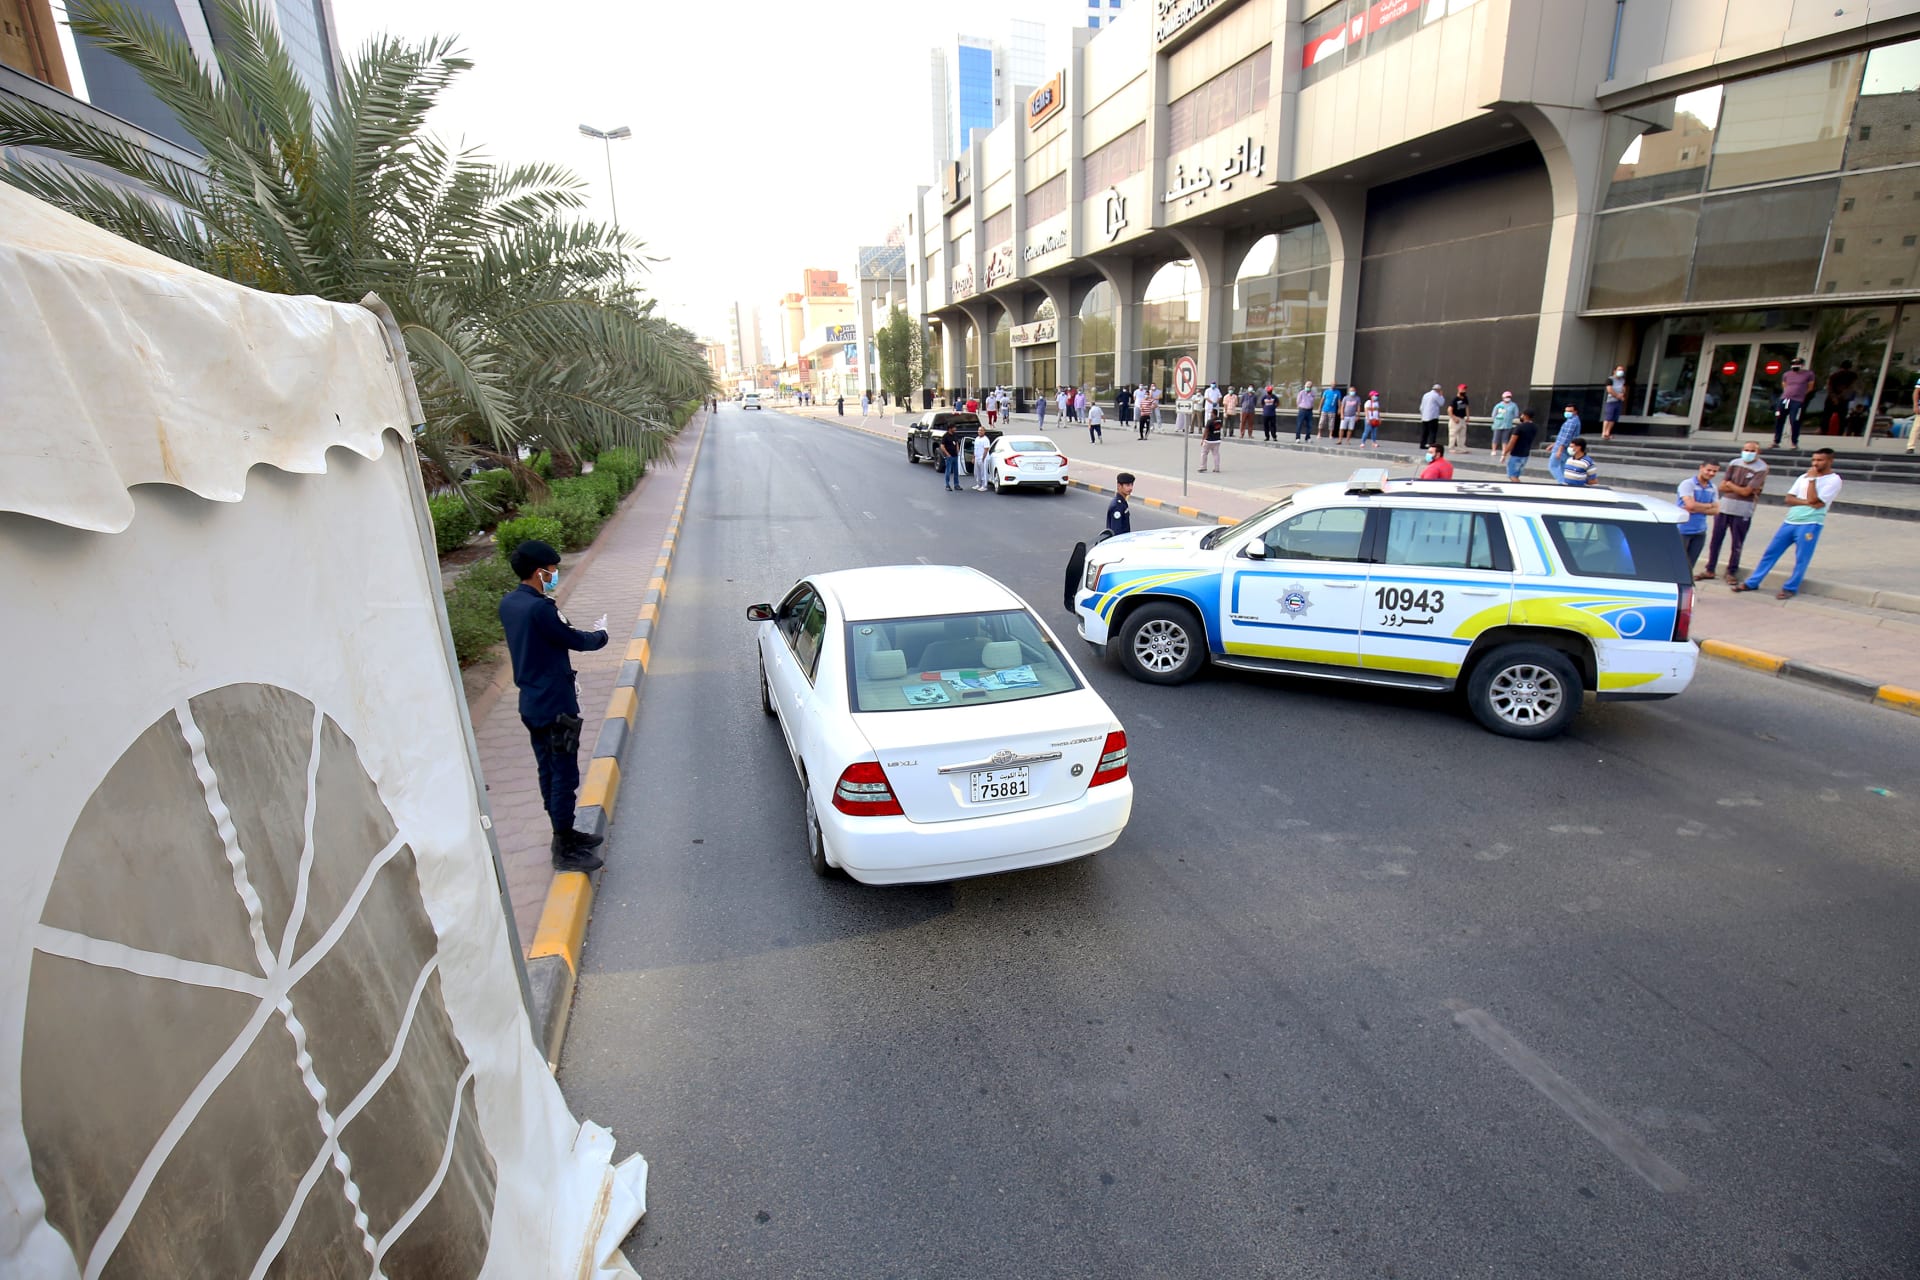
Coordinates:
[539,638]
[1119,515]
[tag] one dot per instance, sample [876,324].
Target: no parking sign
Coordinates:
[1186,377]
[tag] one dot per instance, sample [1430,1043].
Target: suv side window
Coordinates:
[806,644]
[1445,540]
[1643,551]
[1325,533]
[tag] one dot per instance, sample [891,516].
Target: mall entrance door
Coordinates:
[1740,381]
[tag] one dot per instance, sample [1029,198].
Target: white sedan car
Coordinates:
[938,728]
[1027,462]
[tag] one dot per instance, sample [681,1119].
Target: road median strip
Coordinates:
[553,958]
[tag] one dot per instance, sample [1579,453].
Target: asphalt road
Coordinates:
[1362,991]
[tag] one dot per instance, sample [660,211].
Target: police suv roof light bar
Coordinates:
[1368,480]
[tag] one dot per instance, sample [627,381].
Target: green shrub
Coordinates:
[625,466]
[473,608]
[602,487]
[453,522]
[541,464]
[494,493]
[527,527]
[576,511]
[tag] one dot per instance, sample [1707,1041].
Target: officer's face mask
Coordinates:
[550,583]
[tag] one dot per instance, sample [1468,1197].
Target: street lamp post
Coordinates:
[607,138]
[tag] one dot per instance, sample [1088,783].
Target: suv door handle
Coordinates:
[1343,586]
[1477,591]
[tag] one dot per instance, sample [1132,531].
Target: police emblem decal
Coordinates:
[1295,600]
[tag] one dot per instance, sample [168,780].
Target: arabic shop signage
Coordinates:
[962,282]
[1039,333]
[1114,217]
[1000,263]
[1249,159]
[1053,242]
[1173,17]
[1043,102]
[840,333]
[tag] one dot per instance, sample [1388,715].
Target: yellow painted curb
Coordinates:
[1892,695]
[624,705]
[603,782]
[640,651]
[563,920]
[1190,512]
[649,612]
[1094,488]
[1746,657]
[657,584]
[1153,502]
[1227,520]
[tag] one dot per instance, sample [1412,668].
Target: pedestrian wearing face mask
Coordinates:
[1437,468]
[539,639]
[1569,432]
[1615,402]
[1740,488]
[1504,415]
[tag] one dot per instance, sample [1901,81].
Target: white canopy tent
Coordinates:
[259,1009]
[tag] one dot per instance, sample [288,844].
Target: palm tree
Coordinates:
[516,316]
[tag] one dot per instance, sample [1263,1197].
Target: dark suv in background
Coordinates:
[923,438]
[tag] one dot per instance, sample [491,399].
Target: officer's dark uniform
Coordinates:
[538,638]
[1119,517]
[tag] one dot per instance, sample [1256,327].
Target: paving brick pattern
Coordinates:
[610,577]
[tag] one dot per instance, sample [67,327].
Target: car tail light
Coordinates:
[1113,760]
[1013,459]
[864,792]
[1062,457]
[1683,620]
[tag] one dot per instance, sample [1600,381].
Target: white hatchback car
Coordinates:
[1027,462]
[939,729]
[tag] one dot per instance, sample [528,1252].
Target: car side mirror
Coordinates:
[759,613]
[1256,550]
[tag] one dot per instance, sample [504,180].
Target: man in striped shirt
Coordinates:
[1579,470]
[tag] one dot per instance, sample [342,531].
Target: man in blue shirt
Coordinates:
[1119,514]
[1330,410]
[1557,456]
[1698,499]
[538,640]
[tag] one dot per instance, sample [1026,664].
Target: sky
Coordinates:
[769,135]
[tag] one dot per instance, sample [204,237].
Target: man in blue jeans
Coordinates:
[1557,456]
[949,458]
[1808,502]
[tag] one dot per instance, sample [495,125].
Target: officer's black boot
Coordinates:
[569,856]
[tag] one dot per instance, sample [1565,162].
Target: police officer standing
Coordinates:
[539,638]
[1119,515]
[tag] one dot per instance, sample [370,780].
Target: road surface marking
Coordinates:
[1625,1145]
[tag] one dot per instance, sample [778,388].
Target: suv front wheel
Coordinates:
[1162,644]
[1525,691]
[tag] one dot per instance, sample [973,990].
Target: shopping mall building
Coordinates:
[1513,194]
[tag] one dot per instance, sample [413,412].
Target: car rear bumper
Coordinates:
[1049,478]
[897,851]
[1645,669]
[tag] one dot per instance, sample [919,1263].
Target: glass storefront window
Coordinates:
[970,360]
[1093,329]
[1281,287]
[1785,125]
[1094,373]
[1762,243]
[1874,243]
[1640,256]
[1670,389]
[1672,161]
[1170,307]
[1284,362]
[1001,374]
[1883,119]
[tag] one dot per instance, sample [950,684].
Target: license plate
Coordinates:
[984,786]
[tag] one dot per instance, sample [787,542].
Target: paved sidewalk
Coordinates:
[609,577]
[1862,553]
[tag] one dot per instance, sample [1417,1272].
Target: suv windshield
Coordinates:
[1218,536]
[1642,550]
[962,659]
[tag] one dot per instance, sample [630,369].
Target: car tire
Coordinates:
[816,845]
[999,485]
[912,457]
[766,694]
[1525,691]
[1162,644]
[1059,489]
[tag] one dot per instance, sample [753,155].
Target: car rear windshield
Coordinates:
[954,660]
[1031,446]
[1643,550]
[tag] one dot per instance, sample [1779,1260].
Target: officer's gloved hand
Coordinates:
[601,624]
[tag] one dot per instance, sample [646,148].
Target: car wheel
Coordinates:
[766,694]
[1162,644]
[1525,691]
[912,457]
[1059,488]
[816,846]
[999,485]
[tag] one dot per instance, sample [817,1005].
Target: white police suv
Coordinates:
[1526,596]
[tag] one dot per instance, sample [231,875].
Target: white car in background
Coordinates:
[938,728]
[1027,462]
[750,400]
